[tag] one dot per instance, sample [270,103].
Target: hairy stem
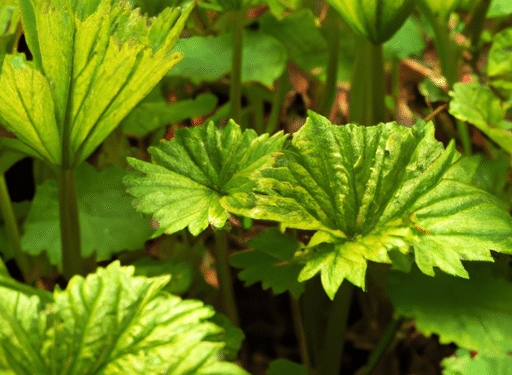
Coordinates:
[224,276]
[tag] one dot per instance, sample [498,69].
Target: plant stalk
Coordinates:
[368,87]
[331,28]
[12,231]
[449,56]
[383,344]
[235,90]
[72,261]
[475,27]
[277,102]
[224,276]
[334,340]
[299,331]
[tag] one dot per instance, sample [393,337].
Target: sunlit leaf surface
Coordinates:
[376,194]
[190,174]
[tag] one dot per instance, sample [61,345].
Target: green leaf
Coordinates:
[487,174]
[209,58]
[108,222]
[269,263]
[499,65]
[93,62]
[476,313]
[406,42]
[441,8]
[191,173]
[373,190]
[149,115]
[286,367]
[111,323]
[499,8]
[463,363]
[477,104]
[375,20]
[180,272]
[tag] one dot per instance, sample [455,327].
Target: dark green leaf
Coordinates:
[476,314]
[499,65]
[269,263]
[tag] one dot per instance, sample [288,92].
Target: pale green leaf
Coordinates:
[463,363]
[477,104]
[92,64]
[375,20]
[269,263]
[499,65]
[371,191]
[499,8]
[209,58]
[190,174]
[111,323]
[476,314]
[108,222]
[149,115]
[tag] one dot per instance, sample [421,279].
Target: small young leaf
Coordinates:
[372,190]
[269,263]
[191,173]
[476,314]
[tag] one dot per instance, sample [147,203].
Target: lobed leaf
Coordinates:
[375,194]
[111,323]
[476,313]
[192,172]
[93,62]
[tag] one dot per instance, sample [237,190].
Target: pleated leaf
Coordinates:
[192,172]
[376,194]
[111,323]
[93,62]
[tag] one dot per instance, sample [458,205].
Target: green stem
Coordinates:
[72,261]
[368,88]
[331,28]
[235,92]
[449,56]
[334,340]
[383,344]
[224,276]
[257,103]
[475,27]
[299,331]
[395,83]
[313,304]
[12,231]
[277,102]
